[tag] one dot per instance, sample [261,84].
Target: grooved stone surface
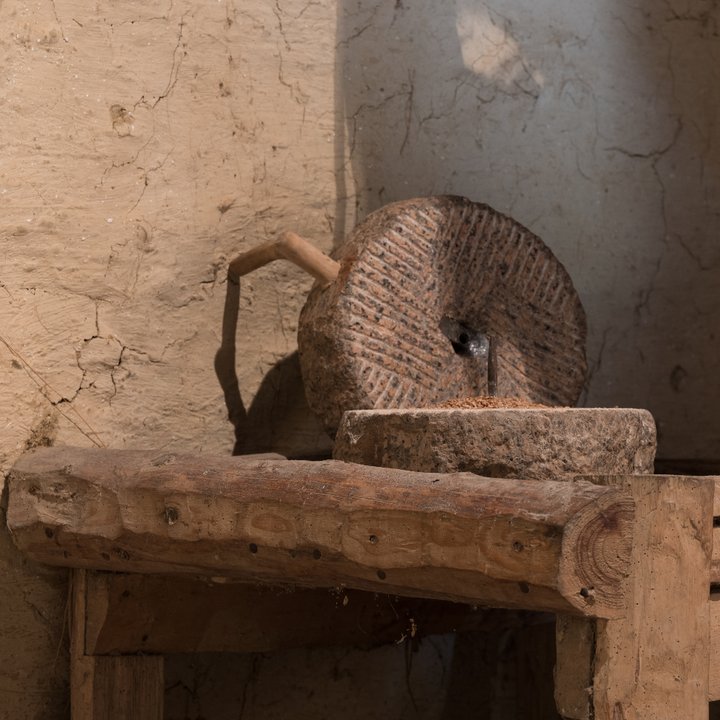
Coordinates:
[374,338]
[529,444]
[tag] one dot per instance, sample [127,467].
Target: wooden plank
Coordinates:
[715,565]
[714,690]
[81,667]
[575,642]
[128,687]
[457,537]
[653,663]
[716,497]
[123,688]
[130,613]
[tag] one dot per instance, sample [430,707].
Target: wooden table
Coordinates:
[625,562]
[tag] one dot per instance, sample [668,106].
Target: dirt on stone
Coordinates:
[485,401]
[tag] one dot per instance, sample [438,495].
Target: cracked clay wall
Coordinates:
[144,144]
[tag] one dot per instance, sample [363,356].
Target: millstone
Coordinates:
[541,444]
[422,284]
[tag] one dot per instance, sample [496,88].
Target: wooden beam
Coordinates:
[552,546]
[130,613]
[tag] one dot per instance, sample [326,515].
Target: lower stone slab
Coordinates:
[510,442]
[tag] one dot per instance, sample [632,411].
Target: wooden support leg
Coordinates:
[574,665]
[653,662]
[122,687]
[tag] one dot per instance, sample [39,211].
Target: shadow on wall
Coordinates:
[391,93]
[667,137]
[279,419]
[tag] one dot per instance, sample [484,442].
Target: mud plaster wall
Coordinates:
[143,145]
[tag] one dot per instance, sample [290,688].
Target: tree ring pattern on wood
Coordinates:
[599,553]
[374,338]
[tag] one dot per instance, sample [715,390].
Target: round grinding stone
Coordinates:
[534,444]
[422,284]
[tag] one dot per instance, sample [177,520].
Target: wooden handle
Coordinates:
[289,246]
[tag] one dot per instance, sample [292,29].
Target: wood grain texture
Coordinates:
[714,689]
[456,537]
[654,661]
[373,339]
[127,687]
[81,667]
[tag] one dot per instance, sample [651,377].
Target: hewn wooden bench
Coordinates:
[624,562]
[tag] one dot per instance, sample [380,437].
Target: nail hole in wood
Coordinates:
[317,554]
[122,554]
[253,547]
[171,515]
[381,574]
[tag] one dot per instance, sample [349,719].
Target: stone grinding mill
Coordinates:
[433,299]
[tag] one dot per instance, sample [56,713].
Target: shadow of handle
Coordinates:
[225,360]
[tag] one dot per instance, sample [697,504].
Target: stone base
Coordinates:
[539,444]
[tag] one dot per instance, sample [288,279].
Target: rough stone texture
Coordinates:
[415,278]
[201,129]
[540,444]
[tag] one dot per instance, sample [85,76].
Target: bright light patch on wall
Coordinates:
[488,47]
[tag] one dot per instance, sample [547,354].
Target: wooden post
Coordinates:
[124,687]
[654,661]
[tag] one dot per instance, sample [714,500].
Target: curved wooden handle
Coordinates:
[292,247]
